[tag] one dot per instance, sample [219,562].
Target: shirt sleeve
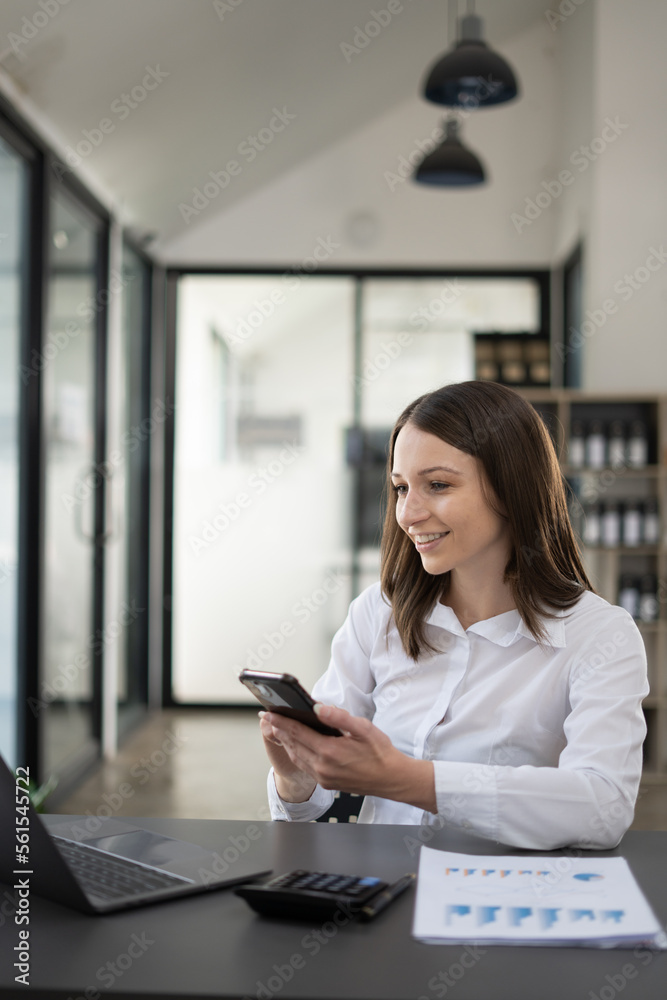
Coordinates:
[588,799]
[347,683]
[315,806]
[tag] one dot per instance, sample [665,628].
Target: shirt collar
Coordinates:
[503,630]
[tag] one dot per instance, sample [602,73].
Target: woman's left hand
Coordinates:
[363,760]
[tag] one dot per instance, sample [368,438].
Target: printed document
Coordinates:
[586,901]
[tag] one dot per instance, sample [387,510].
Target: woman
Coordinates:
[482,684]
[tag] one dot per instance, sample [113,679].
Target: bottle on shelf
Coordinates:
[616,449]
[592,524]
[610,528]
[596,445]
[632,524]
[638,445]
[651,522]
[577,450]
[648,598]
[628,596]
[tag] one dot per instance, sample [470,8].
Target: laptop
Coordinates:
[101,865]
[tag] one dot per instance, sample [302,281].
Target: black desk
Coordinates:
[213,945]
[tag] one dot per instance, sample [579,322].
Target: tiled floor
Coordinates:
[211,764]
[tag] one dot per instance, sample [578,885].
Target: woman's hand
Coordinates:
[292,784]
[363,760]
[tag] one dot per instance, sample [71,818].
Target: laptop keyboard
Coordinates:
[110,877]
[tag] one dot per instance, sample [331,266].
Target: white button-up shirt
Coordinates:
[534,745]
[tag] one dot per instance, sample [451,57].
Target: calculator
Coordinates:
[311,895]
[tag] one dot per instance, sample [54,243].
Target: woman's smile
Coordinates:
[427,542]
[443,505]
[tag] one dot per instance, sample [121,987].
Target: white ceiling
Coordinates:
[227,69]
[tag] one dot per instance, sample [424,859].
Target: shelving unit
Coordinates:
[613,487]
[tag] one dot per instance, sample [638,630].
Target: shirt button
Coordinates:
[466,824]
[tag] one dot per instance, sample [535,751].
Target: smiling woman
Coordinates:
[506,496]
[481,684]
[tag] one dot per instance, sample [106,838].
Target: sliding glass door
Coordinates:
[287,387]
[262,492]
[14,180]
[72,371]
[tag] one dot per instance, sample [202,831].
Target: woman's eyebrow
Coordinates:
[434,468]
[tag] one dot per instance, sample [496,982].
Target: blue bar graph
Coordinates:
[486,914]
[616,915]
[580,914]
[515,914]
[547,917]
[456,910]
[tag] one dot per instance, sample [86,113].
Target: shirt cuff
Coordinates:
[467,796]
[294,812]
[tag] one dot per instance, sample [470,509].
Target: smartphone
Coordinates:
[283,694]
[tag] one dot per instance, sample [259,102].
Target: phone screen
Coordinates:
[283,694]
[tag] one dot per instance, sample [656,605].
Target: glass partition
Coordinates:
[131,424]
[72,640]
[261,540]
[418,334]
[13,251]
[286,390]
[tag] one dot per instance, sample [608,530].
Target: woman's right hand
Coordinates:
[292,784]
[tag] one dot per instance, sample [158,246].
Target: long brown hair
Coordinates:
[500,428]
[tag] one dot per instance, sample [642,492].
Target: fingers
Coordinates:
[267,729]
[339,718]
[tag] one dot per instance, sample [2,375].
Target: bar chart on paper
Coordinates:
[540,900]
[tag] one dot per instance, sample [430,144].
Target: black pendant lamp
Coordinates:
[471,75]
[451,164]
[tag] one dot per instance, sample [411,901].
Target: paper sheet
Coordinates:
[587,901]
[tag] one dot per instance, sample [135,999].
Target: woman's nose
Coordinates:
[412,510]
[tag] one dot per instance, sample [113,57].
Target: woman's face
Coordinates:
[442,508]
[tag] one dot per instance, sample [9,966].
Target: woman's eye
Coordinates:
[439,487]
[400,489]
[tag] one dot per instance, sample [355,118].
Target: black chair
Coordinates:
[345,808]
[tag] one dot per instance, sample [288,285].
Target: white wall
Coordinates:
[603,62]
[408,225]
[629,204]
